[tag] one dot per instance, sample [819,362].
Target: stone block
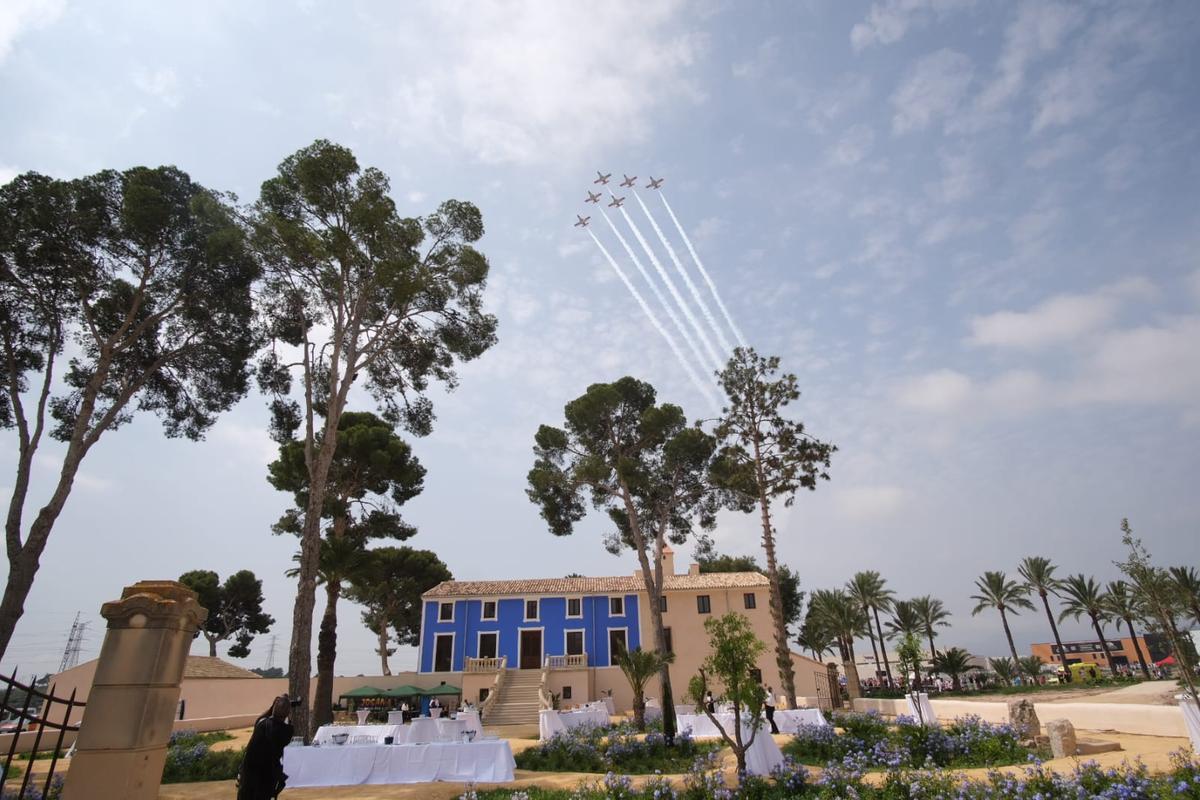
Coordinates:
[1087,747]
[1023,717]
[1062,738]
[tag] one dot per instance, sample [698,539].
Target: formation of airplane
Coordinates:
[602,178]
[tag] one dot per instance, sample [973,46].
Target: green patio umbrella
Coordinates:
[407,690]
[442,688]
[364,691]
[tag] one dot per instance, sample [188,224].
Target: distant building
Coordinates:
[1091,651]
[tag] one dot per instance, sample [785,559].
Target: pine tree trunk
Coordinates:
[887,665]
[783,652]
[1062,654]
[383,645]
[326,656]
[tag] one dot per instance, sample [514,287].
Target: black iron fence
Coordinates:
[39,713]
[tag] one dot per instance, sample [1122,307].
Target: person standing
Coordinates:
[769,705]
[709,705]
[435,708]
[261,775]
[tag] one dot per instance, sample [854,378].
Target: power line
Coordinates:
[70,657]
[271,654]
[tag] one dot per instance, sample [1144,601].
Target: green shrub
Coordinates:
[194,761]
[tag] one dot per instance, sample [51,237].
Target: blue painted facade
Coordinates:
[595,622]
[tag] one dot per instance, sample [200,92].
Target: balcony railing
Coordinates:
[486,664]
[566,662]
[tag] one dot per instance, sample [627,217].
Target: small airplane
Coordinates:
[654,184]
[616,202]
[601,177]
[628,180]
[583,221]
[593,198]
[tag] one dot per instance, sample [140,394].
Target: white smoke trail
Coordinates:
[641,301]
[708,315]
[697,328]
[712,287]
[657,292]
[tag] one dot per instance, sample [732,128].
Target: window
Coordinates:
[667,640]
[483,693]
[446,612]
[574,643]
[489,609]
[574,607]
[749,599]
[566,693]
[531,609]
[487,645]
[443,652]
[703,604]
[618,642]
[616,606]
[662,603]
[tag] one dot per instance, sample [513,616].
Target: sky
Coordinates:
[972,230]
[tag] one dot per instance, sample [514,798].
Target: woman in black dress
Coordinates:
[261,776]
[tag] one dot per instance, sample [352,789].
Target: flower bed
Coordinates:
[838,782]
[190,759]
[618,750]
[872,743]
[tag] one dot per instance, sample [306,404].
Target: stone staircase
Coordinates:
[518,702]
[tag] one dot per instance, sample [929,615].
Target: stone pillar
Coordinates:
[122,742]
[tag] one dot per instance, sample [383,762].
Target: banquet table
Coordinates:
[450,730]
[549,723]
[1191,718]
[362,715]
[422,730]
[790,720]
[489,761]
[471,722]
[325,733]
[762,757]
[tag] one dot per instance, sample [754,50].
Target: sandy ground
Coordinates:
[1159,693]
[1154,751]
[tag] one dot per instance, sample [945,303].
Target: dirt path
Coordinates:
[1159,693]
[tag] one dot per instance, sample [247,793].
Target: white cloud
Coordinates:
[19,16]
[161,83]
[853,146]
[939,391]
[933,88]
[887,22]
[757,66]
[1064,146]
[949,227]
[7,173]
[1039,28]
[531,82]
[961,178]
[1150,364]
[829,106]
[1059,319]
[864,503]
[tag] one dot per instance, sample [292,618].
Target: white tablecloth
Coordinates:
[594,716]
[926,715]
[422,730]
[549,723]
[362,715]
[470,720]
[789,721]
[762,757]
[395,718]
[1191,716]
[451,730]
[488,761]
[325,732]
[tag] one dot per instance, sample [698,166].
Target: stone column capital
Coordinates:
[156,604]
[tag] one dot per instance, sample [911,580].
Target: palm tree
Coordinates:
[870,591]
[998,592]
[1188,581]
[845,619]
[932,614]
[1005,669]
[1038,573]
[904,621]
[954,662]
[1122,604]
[1031,666]
[1082,595]
[814,637]
[340,560]
[639,666]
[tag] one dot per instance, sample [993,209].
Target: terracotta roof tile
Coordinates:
[617,583]
[211,667]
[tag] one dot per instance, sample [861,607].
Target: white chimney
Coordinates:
[668,560]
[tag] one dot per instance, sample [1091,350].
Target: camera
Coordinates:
[295,703]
